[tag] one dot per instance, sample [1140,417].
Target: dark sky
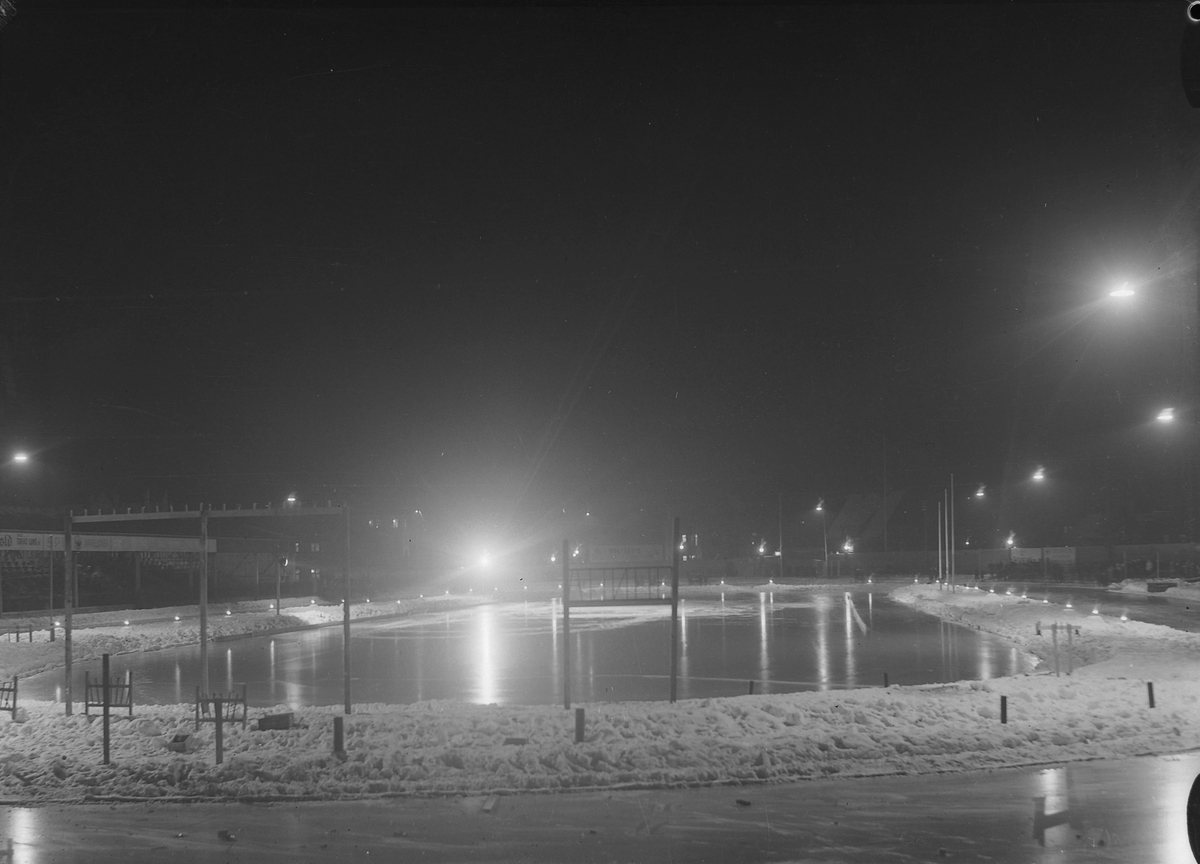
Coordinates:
[497,264]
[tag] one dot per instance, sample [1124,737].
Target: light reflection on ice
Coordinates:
[24,835]
[851,671]
[486,666]
[821,607]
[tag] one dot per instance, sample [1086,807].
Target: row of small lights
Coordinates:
[1024,596]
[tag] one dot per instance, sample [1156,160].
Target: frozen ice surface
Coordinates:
[1102,710]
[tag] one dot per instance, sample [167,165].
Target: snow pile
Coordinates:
[1184,590]
[433,747]
[1107,646]
[95,634]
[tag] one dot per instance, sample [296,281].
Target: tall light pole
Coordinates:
[824,534]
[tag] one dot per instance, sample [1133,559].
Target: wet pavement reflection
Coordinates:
[512,653]
[1125,810]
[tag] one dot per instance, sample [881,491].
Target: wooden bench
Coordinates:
[8,697]
[120,693]
[233,707]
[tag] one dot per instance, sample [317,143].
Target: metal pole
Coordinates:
[68,602]
[939,549]
[204,598]
[824,542]
[278,589]
[104,682]
[566,604]
[674,611]
[946,535]
[346,602]
[781,537]
[137,578]
[953,569]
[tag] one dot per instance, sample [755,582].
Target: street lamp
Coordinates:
[1040,474]
[1166,415]
[20,457]
[824,534]
[1122,292]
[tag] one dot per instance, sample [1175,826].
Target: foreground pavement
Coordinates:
[1122,810]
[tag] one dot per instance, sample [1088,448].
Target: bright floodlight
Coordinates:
[848,545]
[21,457]
[1123,291]
[1166,415]
[979,491]
[821,504]
[1039,474]
[291,499]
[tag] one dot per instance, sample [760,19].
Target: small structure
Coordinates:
[120,693]
[233,707]
[8,697]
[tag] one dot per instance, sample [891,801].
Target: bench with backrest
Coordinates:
[8,697]
[233,707]
[120,692]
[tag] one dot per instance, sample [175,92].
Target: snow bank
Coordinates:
[438,747]
[95,634]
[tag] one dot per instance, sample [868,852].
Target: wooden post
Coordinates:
[1003,709]
[1070,647]
[346,601]
[105,705]
[1150,692]
[68,602]
[278,582]
[338,736]
[50,600]
[257,572]
[674,608]
[578,725]
[566,604]
[1054,639]
[218,718]
[137,579]
[204,598]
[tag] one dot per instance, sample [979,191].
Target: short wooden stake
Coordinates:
[885,680]
[338,738]
[1150,692]
[751,690]
[578,725]
[1070,645]
[1003,709]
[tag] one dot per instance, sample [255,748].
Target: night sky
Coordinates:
[512,266]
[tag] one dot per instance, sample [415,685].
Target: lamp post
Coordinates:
[824,534]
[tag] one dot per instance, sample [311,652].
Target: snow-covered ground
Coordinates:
[1100,710]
